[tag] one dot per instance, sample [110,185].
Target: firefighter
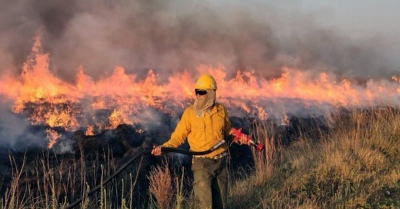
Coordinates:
[204,124]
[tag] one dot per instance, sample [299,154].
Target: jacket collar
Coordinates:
[214,109]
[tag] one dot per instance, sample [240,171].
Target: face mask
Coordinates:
[204,103]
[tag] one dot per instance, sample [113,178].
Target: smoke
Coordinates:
[173,36]
[16,132]
[178,35]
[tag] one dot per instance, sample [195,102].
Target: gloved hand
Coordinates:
[156,151]
[244,139]
[240,137]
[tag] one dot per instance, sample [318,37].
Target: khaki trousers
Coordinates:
[210,182]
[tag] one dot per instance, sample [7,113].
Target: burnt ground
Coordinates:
[78,158]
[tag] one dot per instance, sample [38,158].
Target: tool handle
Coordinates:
[258,146]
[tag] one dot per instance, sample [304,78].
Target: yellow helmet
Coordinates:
[206,82]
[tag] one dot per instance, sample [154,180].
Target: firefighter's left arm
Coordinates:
[238,137]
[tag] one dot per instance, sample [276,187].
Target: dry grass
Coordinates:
[355,165]
[161,186]
[265,160]
[50,182]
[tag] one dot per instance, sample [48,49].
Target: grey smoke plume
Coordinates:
[16,132]
[177,35]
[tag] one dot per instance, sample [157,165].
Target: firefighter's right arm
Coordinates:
[178,137]
[156,151]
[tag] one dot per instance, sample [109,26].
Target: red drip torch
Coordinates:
[237,133]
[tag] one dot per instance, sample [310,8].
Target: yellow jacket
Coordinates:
[204,132]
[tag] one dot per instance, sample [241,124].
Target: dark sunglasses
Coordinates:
[200,92]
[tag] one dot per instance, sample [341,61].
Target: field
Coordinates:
[352,163]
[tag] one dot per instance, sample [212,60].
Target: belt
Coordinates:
[216,157]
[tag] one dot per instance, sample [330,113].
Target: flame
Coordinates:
[48,100]
[52,136]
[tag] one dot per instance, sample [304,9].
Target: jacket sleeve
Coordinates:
[228,125]
[182,130]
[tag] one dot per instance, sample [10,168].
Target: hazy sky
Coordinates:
[359,18]
[353,19]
